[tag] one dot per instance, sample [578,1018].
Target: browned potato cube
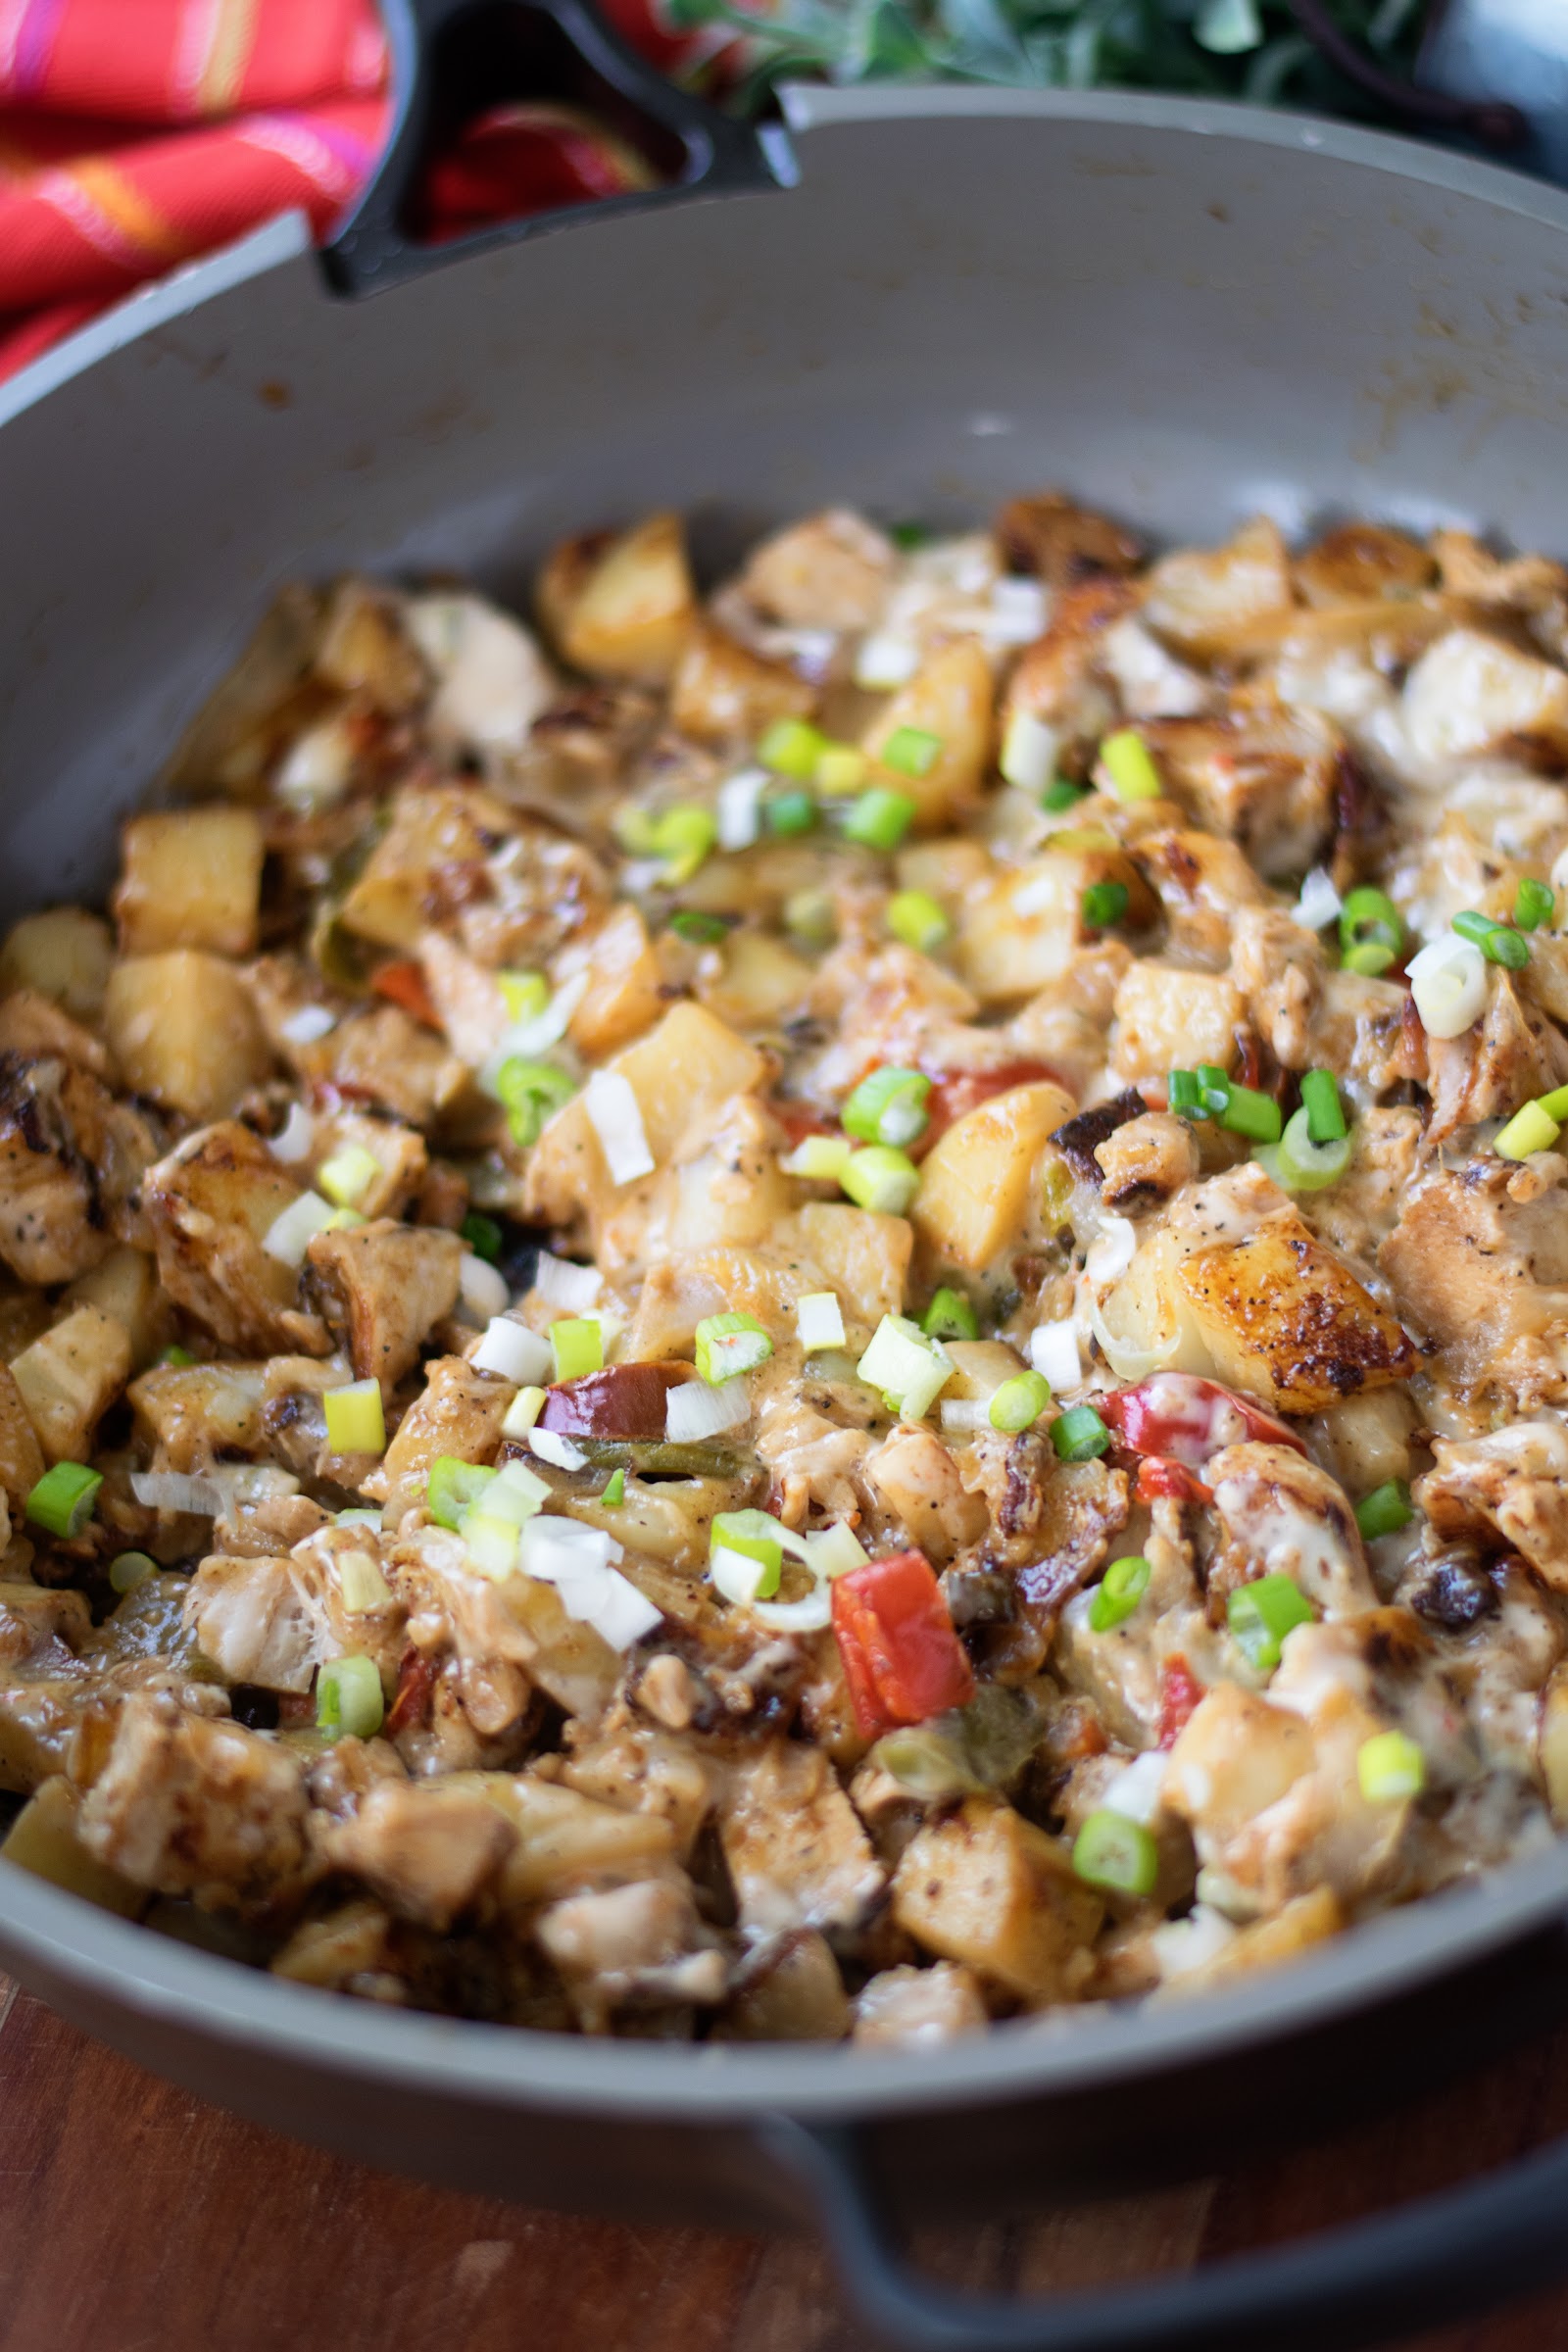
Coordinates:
[190,879]
[625,608]
[366,650]
[22,1462]
[435,837]
[65,953]
[183,1029]
[975,1182]
[1285,1320]
[952,698]
[725,694]
[865,1255]
[1169,1018]
[1027,929]
[125,1285]
[984,1886]
[69,1376]
[43,1839]
[625,986]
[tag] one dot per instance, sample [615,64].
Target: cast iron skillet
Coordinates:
[1181,310]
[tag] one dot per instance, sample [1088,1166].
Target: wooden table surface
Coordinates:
[136,2219]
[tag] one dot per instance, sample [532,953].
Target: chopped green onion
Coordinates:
[750,1536]
[682,838]
[1532,1129]
[819,1321]
[361,1583]
[577,1345]
[1079,1434]
[841,771]
[1059,793]
[1127,762]
[355,1421]
[730,1343]
[491,1542]
[615,1491]
[949,1316]
[1183,1095]
[1303,1166]
[523,1412]
[823,1158]
[888,1107]
[909,1368]
[1497,943]
[177,1358]
[908,536]
[342,1221]
[792,747]
[348,1700]
[882,1179]
[128,1569]
[918,919]
[484,1236]
[1556,1104]
[910,752]
[701,930]
[790,812]
[1216,1087]
[531,1092]
[634,830]
[1369,919]
[1019,1403]
[1251,1113]
[809,917]
[526,995]
[1320,1100]
[1118,1593]
[348,1175]
[1385,1510]
[1103,904]
[1117,1854]
[63,1498]
[879,818]
[1389,1767]
[1533,904]
[452,1487]
[1260,1615]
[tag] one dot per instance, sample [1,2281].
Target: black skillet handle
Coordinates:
[444,51]
[1424,2265]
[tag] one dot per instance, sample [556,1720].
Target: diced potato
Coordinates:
[625,985]
[1235,1755]
[190,879]
[979,1368]
[126,1284]
[406,1069]
[1470,694]
[1026,930]
[760,984]
[35,1028]
[328,1953]
[435,834]
[725,694]
[212,1204]
[953,697]
[69,1377]
[20,1455]
[459,1413]
[366,650]
[863,1253]
[1287,1321]
[1305,1920]
[43,1840]
[799,1997]
[1201,598]
[920,1483]
[830,571]
[729,1190]
[183,1029]
[65,953]
[976,1183]
[984,1886]
[1171,1019]
[566,1840]
[1367,1440]
[624,610]
[388,1285]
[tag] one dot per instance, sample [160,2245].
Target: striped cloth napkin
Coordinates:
[135,134]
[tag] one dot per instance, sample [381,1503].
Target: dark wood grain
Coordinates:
[136,2219]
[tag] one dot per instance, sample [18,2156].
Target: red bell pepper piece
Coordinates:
[1158,1476]
[403,983]
[954,1094]
[902,1658]
[1185,1419]
[1179,1695]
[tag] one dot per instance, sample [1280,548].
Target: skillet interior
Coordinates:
[1180,312]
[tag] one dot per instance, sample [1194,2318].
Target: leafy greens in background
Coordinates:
[1221,48]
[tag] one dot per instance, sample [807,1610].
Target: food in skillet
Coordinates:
[825,1313]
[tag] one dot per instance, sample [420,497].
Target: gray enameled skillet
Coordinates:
[1182,311]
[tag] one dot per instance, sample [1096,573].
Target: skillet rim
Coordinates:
[46,1933]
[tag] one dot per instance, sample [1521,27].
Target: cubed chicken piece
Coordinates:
[727,695]
[401,1162]
[212,1203]
[1472,693]
[1367,1440]
[70,1377]
[126,1284]
[1169,1018]
[1287,1321]
[1354,561]
[977,1183]
[625,992]
[1060,678]
[864,1252]
[250,1618]
[642,1769]
[797,1853]
[914,2008]
[986,1888]
[385,1286]
[1145,1161]
[397,1063]
[1281,1515]
[66,954]
[790,1992]
[363,649]
[920,1482]
[1511,1054]
[431,855]
[468,997]
[458,1411]
[1063,544]
[492,682]
[568,1839]
[1027,930]
[642,1945]
[183,1028]
[728,1187]
[1483,1276]
[71,1157]
[188,1805]
[195,1414]
[1205,599]
[1148,679]
[1267,781]
[34,1027]
[621,606]
[950,700]
[190,879]
[1512,1485]
[1278,966]
[1204,885]
[831,572]
[20,1455]
[1233,1757]
[427,1848]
